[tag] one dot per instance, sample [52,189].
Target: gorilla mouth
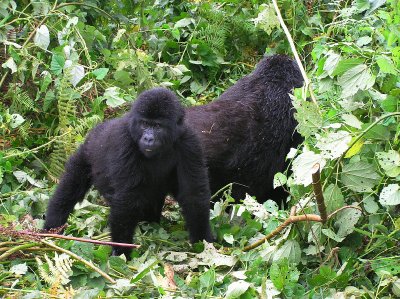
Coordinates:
[148,150]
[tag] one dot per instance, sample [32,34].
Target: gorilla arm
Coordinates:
[193,187]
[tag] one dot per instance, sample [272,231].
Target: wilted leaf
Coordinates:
[359,176]
[210,256]
[76,73]
[10,63]
[42,37]
[19,269]
[355,149]
[183,22]
[266,18]
[390,195]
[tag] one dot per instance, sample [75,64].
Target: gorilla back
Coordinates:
[135,161]
[247,132]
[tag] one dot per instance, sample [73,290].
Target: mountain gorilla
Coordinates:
[134,162]
[247,133]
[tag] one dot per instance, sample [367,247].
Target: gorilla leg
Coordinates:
[197,219]
[73,186]
[124,216]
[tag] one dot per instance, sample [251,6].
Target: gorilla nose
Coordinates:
[148,140]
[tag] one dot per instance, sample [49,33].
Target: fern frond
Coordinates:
[20,100]
[85,124]
[24,129]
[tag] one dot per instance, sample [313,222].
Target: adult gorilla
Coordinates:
[247,132]
[134,162]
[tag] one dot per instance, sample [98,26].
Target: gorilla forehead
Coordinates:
[158,103]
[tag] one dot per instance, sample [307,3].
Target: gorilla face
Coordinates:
[153,139]
[156,121]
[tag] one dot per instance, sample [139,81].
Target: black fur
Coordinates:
[135,161]
[247,133]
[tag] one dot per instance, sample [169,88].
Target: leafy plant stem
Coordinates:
[356,140]
[80,259]
[17,248]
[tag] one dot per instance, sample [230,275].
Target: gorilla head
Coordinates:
[156,123]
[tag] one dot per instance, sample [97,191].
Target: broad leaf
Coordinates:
[290,250]
[334,144]
[308,117]
[346,221]
[42,37]
[303,167]
[355,79]
[100,73]
[236,289]
[386,65]
[390,162]
[390,195]
[359,176]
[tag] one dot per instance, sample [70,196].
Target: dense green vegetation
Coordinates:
[66,66]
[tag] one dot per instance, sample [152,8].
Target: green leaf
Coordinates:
[183,22]
[100,73]
[57,64]
[113,97]
[346,221]
[390,195]
[176,34]
[16,120]
[331,62]
[390,162]
[388,265]
[334,198]
[308,117]
[290,250]
[325,275]
[236,289]
[370,204]
[279,179]
[359,176]
[346,64]
[390,104]
[355,79]
[386,65]
[378,132]
[332,235]
[207,279]
[84,250]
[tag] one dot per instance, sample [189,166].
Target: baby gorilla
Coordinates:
[134,162]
